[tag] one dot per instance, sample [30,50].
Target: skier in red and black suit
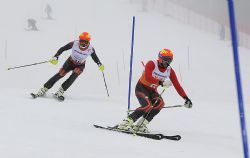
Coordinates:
[81,49]
[156,74]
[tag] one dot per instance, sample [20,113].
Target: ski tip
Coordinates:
[178,137]
[173,137]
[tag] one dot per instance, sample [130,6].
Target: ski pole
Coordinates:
[174,106]
[105,83]
[16,67]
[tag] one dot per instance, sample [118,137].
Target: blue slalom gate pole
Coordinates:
[131,63]
[237,75]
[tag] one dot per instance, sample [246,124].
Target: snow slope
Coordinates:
[47,128]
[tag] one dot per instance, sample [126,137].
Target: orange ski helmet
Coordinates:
[165,57]
[84,39]
[85,36]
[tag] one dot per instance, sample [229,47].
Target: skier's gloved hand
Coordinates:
[101,67]
[165,84]
[54,60]
[188,103]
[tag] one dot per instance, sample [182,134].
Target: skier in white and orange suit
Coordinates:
[81,49]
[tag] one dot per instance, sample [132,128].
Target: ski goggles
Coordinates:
[166,59]
[83,43]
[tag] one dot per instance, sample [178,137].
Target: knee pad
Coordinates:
[144,101]
[78,71]
[160,103]
[62,72]
[145,109]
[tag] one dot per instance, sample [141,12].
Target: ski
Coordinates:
[146,135]
[59,98]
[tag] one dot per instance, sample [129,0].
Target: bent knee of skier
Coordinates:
[145,109]
[159,103]
[78,71]
[62,72]
[146,105]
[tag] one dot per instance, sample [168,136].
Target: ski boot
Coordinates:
[141,126]
[126,125]
[40,93]
[59,94]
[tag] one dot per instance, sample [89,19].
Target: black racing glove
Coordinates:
[188,103]
[161,83]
